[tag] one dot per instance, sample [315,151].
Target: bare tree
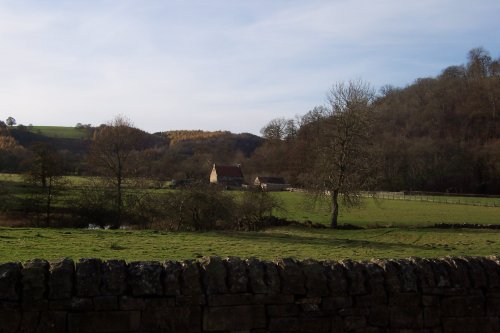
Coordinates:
[342,147]
[45,175]
[110,155]
[275,129]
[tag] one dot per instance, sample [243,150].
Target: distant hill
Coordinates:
[27,138]
[60,131]
[189,141]
[186,135]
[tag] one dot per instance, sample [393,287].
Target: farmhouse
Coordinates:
[271,183]
[227,175]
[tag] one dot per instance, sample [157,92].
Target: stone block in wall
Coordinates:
[88,277]
[375,278]
[468,305]
[10,321]
[492,271]
[183,300]
[354,311]
[144,278]
[441,275]
[476,271]
[493,305]
[158,303]
[310,306]
[354,323]
[213,275]
[76,304]
[391,273]
[35,305]
[404,299]
[10,275]
[172,319]
[272,277]
[29,321]
[114,277]
[409,278]
[190,278]
[300,324]
[234,318]
[409,317]
[9,305]
[171,279]
[52,322]
[432,316]
[61,275]
[292,277]
[237,277]
[336,303]
[104,303]
[337,280]
[256,276]
[424,273]
[274,298]
[282,310]
[311,310]
[471,324]
[131,303]
[457,271]
[370,300]
[379,316]
[430,300]
[105,321]
[355,277]
[337,324]
[316,281]
[34,284]
[231,299]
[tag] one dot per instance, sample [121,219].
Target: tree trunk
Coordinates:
[49,201]
[335,209]
[119,202]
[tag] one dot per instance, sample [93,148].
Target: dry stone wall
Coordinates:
[235,295]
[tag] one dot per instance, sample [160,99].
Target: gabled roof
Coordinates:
[271,180]
[233,171]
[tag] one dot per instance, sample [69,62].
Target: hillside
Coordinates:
[27,138]
[191,141]
[61,131]
[172,154]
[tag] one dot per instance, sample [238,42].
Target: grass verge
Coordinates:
[20,244]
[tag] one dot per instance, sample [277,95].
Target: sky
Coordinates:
[220,64]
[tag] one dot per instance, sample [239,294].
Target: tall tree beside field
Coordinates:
[110,155]
[342,160]
[44,174]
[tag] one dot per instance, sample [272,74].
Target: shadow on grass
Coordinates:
[278,238]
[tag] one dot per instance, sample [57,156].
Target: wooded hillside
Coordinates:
[437,134]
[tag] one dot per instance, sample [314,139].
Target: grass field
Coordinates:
[403,236]
[59,132]
[372,213]
[19,244]
[380,212]
[447,199]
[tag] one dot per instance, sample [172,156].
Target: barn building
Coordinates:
[271,183]
[227,175]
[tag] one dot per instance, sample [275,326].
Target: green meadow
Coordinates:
[59,132]
[20,244]
[394,229]
[384,213]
